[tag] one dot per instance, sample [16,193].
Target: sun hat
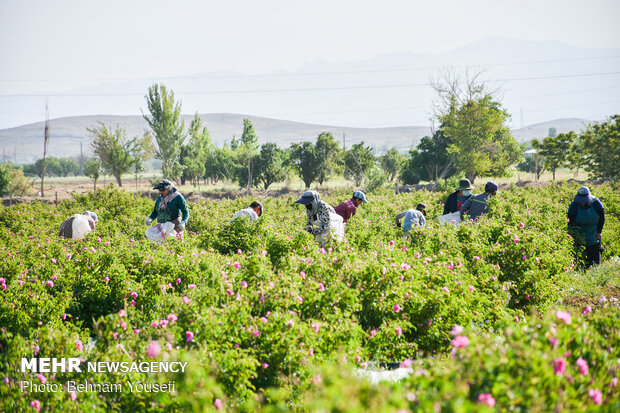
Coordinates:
[308,197]
[463,185]
[163,185]
[490,187]
[584,195]
[360,195]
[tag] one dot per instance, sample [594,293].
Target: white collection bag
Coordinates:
[80,226]
[453,218]
[159,232]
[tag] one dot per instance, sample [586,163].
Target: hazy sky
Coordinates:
[58,45]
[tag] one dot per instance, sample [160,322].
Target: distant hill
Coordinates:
[24,144]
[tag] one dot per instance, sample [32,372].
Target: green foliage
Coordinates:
[475,124]
[5,180]
[269,166]
[53,167]
[601,149]
[554,150]
[431,161]
[305,160]
[267,320]
[93,170]
[357,162]
[116,152]
[392,162]
[195,154]
[168,128]
[329,156]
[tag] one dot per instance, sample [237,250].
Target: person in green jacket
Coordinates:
[169,207]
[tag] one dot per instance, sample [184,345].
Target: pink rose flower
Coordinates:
[583,366]
[596,395]
[79,345]
[153,349]
[189,336]
[460,341]
[487,399]
[563,316]
[559,366]
[218,404]
[396,308]
[587,310]
[35,404]
[399,331]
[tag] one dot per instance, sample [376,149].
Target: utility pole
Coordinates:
[81,160]
[344,145]
[45,141]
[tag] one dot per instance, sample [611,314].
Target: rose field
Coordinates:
[492,315]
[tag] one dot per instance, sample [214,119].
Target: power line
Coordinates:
[268,75]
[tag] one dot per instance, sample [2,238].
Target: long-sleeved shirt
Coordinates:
[321,217]
[346,209]
[589,220]
[475,206]
[412,218]
[454,203]
[246,212]
[169,212]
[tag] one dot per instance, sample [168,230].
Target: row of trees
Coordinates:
[472,140]
[596,150]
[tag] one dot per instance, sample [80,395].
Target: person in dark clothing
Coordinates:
[169,207]
[587,214]
[457,198]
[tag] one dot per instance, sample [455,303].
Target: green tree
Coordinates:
[432,160]
[303,158]
[269,167]
[195,153]
[329,156]
[220,165]
[117,152]
[392,162]
[532,163]
[412,170]
[168,128]
[92,169]
[246,152]
[601,149]
[475,123]
[357,161]
[554,150]
[5,180]
[52,167]
[69,166]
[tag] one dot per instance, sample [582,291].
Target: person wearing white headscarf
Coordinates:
[322,219]
[78,226]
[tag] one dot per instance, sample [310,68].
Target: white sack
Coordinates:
[159,232]
[453,218]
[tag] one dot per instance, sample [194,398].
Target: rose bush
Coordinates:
[259,310]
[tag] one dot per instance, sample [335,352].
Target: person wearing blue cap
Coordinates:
[346,209]
[322,219]
[586,214]
[477,205]
[169,207]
